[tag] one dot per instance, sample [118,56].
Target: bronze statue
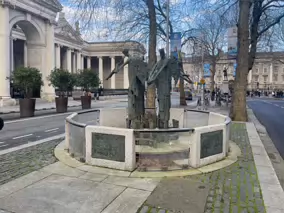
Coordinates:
[137,75]
[161,75]
[225,71]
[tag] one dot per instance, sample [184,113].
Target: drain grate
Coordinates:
[272,156]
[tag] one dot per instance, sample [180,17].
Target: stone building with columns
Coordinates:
[266,74]
[35,33]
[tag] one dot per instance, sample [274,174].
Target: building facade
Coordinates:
[266,74]
[35,33]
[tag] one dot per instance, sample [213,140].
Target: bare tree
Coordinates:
[213,29]
[256,17]
[238,105]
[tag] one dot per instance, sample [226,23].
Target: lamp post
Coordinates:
[168,28]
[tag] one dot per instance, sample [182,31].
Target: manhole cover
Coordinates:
[201,187]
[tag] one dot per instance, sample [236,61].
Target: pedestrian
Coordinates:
[1,123]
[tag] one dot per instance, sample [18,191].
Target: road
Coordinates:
[270,113]
[22,131]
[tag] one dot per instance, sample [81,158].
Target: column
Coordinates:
[74,62]
[250,79]
[12,53]
[58,58]
[68,60]
[88,62]
[48,91]
[25,54]
[79,61]
[82,63]
[270,77]
[113,78]
[4,53]
[125,75]
[101,70]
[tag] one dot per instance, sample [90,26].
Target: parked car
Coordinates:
[188,95]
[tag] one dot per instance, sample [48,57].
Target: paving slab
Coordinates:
[93,177]
[137,183]
[180,195]
[59,194]
[128,202]
[22,182]
[106,171]
[62,169]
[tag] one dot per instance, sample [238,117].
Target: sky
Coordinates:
[105,26]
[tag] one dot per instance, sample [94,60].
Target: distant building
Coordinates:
[268,70]
[32,34]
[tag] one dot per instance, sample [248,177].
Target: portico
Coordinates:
[47,41]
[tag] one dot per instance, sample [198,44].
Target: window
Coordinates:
[276,68]
[265,70]
[256,78]
[265,78]
[282,77]
[256,70]
[275,77]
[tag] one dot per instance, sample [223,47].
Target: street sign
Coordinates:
[207,72]
[232,42]
[175,39]
[202,81]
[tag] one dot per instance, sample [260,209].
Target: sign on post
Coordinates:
[235,69]
[232,42]
[207,72]
[175,41]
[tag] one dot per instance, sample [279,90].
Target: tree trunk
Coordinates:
[151,90]
[256,14]
[238,109]
[182,101]
[213,71]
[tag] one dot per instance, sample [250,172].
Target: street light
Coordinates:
[168,28]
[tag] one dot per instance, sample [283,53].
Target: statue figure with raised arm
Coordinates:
[137,75]
[161,74]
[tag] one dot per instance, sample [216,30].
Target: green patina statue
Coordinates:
[161,74]
[137,75]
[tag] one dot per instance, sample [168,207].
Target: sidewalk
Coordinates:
[44,105]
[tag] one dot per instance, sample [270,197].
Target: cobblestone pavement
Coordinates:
[19,163]
[234,189]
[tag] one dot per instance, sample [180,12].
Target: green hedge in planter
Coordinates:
[63,80]
[87,79]
[26,79]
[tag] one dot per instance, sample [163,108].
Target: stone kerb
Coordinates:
[122,158]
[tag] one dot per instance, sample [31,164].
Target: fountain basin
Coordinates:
[198,139]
